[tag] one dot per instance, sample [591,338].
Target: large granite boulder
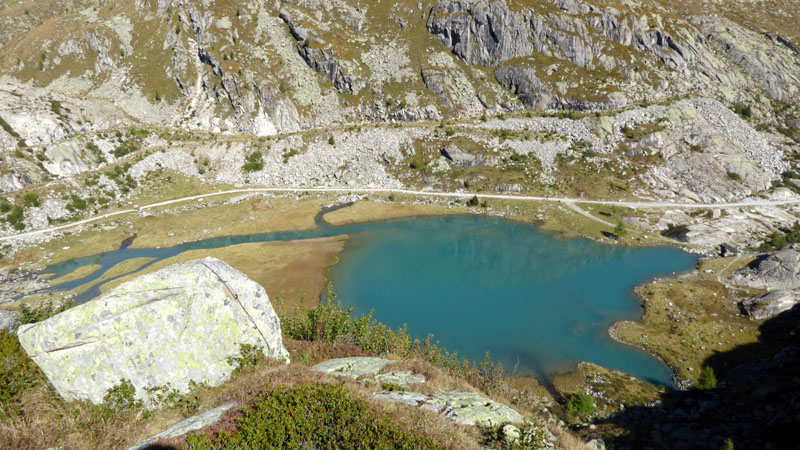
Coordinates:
[180,324]
[776,271]
[771,304]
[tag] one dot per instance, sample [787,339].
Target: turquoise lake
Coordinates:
[538,303]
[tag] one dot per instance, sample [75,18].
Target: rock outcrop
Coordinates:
[9,320]
[771,304]
[370,370]
[465,408]
[183,427]
[775,271]
[180,324]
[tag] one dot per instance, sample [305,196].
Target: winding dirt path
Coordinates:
[569,202]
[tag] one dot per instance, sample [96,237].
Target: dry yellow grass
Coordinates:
[256,214]
[78,273]
[289,270]
[365,211]
[119,269]
[687,321]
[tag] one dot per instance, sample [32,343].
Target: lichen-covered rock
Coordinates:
[465,408]
[193,423]
[352,367]
[775,271]
[369,368]
[771,304]
[180,324]
[401,378]
[9,320]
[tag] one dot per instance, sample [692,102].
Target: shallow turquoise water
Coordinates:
[536,302]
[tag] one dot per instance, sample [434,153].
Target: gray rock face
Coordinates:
[771,304]
[490,33]
[458,157]
[180,324]
[776,271]
[465,408]
[9,320]
[193,423]
[323,61]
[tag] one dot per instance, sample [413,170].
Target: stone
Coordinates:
[401,378]
[182,323]
[771,304]
[193,423]
[458,157]
[352,367]
[774,271]
[9,320]
[465,408]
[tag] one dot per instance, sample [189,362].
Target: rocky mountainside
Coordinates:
[680,101]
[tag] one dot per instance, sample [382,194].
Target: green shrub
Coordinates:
[331,140]
[42,312]
[580,404]
[744,111]
[620,230]
[31,199]
[4,206]
[733,176]
[707,379]
[122,397]
[18,373]
[288,154]
[254,162]
[728,444]
[312,416]
[76,204]
[16,218]
[249,356]
[329,322]
[474,201]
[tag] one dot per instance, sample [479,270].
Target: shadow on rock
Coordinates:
[756,404]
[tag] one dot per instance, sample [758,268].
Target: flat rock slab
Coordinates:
[352,367]
[369,368]
[180,324]
[9,320]
[193,423]
[465,408]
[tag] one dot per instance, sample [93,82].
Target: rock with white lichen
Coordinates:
[180,324]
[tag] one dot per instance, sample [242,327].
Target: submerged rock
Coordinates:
[180,324]
[771,304]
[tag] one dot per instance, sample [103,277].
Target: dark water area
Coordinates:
[537,302]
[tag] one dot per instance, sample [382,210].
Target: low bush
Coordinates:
[707,379]
[580,404]
[18,373]
[42,312]
[311,416]
[254,162]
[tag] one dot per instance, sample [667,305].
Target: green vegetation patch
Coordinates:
[18,373]
[254,162]
[312,416]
